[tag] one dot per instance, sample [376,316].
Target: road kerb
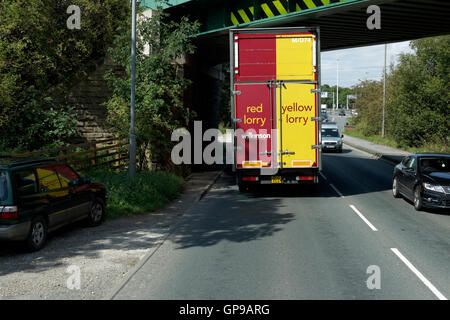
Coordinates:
[152,251]
[378,155]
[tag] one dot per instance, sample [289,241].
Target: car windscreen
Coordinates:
[4,194]
[330,133]
[434,164]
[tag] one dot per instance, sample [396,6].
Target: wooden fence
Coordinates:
[110,152]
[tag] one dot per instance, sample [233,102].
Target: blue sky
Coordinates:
[359,63]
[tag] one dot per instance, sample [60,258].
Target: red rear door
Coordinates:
[255,120]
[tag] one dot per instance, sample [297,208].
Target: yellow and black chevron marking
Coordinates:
[242,15]
[274,8]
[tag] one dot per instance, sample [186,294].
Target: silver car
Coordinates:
[331,137]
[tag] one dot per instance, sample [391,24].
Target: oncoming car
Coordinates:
[331,138]
[424,179]
[41,195]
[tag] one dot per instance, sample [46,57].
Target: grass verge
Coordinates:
[392,143]
[147,192]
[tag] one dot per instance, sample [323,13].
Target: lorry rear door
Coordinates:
[297,100]
[299,131]
[254,123]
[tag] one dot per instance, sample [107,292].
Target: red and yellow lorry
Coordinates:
[275,84]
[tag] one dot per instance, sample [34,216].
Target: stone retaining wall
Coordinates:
[87,98]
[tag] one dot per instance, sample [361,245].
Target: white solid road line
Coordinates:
[337,191]
[363,218]
[430,286]
[322,175]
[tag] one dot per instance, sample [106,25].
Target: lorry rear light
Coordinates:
[305,178]
[9,212]
[250,179]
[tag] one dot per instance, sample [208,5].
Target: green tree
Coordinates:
[369,104]
[417,98]
[160,84]
[420,106]
[40,58]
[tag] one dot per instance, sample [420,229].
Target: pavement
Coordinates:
[384,152]
[349,238]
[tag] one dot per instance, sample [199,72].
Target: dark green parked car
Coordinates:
[38,196]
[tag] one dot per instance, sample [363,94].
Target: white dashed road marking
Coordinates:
[363,218]
[430,286]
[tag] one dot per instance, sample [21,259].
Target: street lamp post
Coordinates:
[337,85]
[384,91]
[132,167]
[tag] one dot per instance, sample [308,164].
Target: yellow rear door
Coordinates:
[297,106]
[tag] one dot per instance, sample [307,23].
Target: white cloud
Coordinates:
[359,63]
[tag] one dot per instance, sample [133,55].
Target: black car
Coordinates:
[41,195]
[342,113]
[423,179]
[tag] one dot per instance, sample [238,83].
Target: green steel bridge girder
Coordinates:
[216,15]
[342,22]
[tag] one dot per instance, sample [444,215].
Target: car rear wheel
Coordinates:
[37,235]
[97,213]
[418,204]
[395,192]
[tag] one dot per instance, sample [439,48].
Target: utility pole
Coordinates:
[384,91]
[132,164]
[337,85]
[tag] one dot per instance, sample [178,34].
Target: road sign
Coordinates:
[324,94]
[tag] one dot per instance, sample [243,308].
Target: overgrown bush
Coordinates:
[40,58]
[369,106]
[147,192]
[159,85]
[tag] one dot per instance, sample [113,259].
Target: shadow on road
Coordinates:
[227,215]
[334,151]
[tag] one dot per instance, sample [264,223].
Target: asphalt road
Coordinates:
[288,242]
